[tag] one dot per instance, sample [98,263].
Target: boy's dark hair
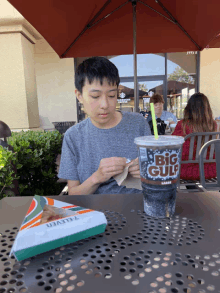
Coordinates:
[96,68]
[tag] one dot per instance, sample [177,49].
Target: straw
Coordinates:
[154,120]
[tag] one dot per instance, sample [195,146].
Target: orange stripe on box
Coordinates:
[84,212]
[50,201]
[35,225]
[68,207]
[32,206]
[31,222]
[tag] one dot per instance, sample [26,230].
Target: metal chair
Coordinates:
[63,126]
[200,138]
[4,133]
[214,149]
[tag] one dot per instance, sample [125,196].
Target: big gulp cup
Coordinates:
[159,161]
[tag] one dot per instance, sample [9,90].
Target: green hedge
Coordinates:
[36,153]
[7,174]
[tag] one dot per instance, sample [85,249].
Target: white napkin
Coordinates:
[127,180]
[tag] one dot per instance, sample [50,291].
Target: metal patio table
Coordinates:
[136,253]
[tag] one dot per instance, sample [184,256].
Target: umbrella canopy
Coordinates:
[114,27]
[215,42]
[100,28]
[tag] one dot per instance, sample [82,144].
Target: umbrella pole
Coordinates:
[136,98]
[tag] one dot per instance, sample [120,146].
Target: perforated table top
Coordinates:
[136,253]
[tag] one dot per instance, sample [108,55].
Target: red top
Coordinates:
[191,171]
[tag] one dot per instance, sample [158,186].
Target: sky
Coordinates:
[147,64]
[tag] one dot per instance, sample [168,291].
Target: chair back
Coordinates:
[4,130]
[215,148]
[4,133]
[200,138]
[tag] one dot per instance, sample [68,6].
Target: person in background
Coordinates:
[96,149]
[143,112]
[217,119]
[158,102]
[198,117]
[161,115]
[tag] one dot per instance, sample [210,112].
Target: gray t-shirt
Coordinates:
[84,145]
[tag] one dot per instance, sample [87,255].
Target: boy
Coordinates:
[96,149]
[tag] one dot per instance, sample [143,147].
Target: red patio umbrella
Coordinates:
[215,42]
[114,27]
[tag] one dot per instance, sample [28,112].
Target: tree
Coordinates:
[180,75]
[143,87]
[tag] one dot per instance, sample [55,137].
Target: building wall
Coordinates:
[18,97]
[13,103]
[210,77]
[8,12]
[30,82]
[27,59]
[55,86]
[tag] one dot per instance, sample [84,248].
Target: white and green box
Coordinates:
[68,223]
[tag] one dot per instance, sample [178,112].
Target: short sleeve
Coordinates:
[147,130]
[168,115]
[174,117]
[68,163]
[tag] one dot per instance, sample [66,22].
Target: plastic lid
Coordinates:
[163,140]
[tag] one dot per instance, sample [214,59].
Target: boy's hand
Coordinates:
[108,168]
[134,169]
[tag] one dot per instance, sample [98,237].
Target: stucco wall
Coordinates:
[10,18]
[30,82]
[8,12]
[13,103]
[18,97]
[22,65]
[55,86]
[210,77]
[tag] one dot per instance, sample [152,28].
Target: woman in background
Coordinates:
[161,115]
[198,117]
[158,102]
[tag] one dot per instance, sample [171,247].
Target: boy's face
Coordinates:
[97,100]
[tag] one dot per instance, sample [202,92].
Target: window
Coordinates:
[180,80]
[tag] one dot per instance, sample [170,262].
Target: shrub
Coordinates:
[36,155]
[7,173]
